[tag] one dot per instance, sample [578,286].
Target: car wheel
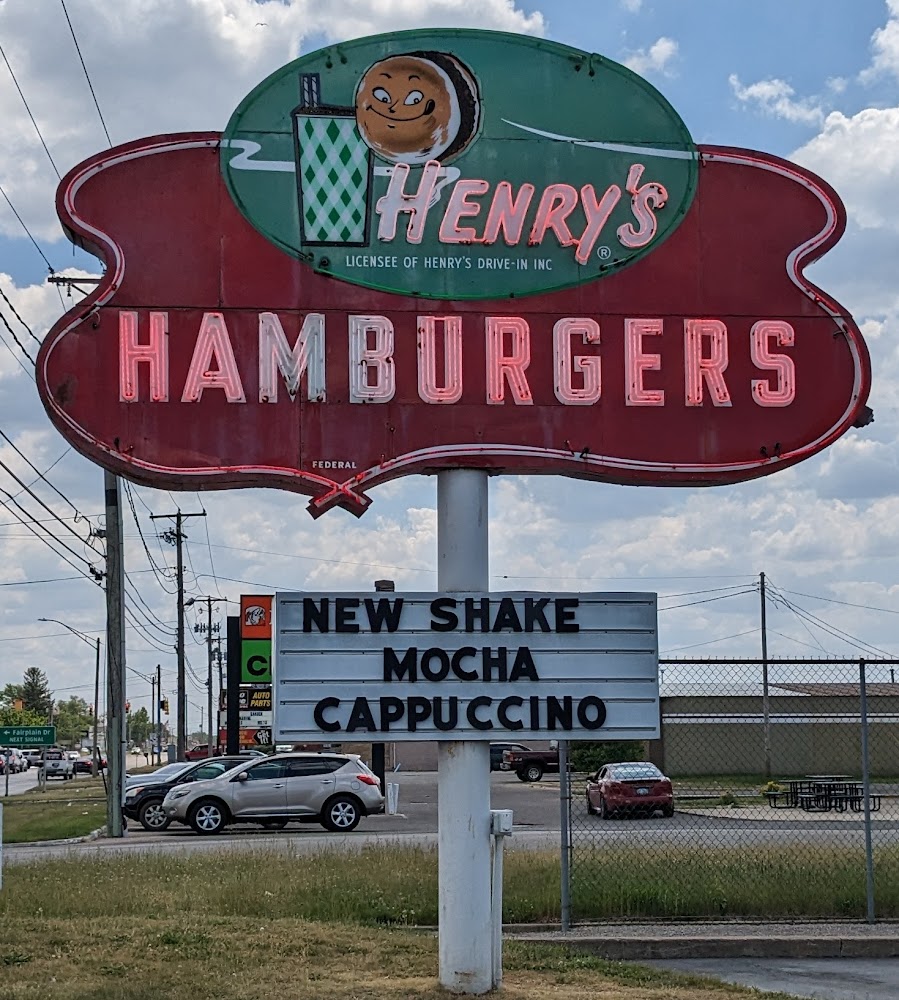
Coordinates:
[151,816]
[668,811]
[533,772]
[274,824]
[603,810]
[207,816]
[590,810]
[341,814]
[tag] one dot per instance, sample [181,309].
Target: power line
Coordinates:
[209,547]
[708,600]
[46,507]
[32,583]
[157,570]
[46,542]
[41,475]
[86,74]
[28,234]
[778,597]
[833,630]
[15,313]
[30,115]
[848,604]
[708,642]
[19,343]
[47,531]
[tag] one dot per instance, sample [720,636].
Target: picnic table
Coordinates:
[822,793]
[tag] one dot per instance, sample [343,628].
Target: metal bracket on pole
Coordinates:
[500,828]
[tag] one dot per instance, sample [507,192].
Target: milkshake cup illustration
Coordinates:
[334,171]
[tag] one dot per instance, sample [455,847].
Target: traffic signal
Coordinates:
[127,706]
[164,705]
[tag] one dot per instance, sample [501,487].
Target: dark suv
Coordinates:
[144,802]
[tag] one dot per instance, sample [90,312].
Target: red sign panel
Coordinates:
[255,616]
[208,358]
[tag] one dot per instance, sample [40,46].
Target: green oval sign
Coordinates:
[459,164]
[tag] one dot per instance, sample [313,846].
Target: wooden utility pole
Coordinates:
[115,654]
[177,537]
[158,713]
[95,750]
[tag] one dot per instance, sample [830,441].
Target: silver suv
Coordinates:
[336,790]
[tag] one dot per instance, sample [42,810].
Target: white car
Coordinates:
[58,765]
[12,760]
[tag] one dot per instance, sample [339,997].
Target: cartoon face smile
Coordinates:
[417,107]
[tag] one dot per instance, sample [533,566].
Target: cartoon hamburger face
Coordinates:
[417,107]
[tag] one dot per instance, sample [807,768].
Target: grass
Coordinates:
[391,886]
[64,809]
[802,882]
[198,957]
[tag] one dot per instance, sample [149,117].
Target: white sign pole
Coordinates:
[463,766]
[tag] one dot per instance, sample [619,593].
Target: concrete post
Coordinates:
[463,768]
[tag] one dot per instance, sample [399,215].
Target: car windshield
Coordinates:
[629,772]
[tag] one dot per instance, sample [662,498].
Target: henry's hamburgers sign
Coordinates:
[449,248]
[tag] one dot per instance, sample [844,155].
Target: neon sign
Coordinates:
[710,358]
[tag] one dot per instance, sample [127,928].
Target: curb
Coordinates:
[768,946]
[93,835]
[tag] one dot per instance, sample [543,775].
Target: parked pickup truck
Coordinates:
[530,765]
[58,765]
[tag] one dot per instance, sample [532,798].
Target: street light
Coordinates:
[209,602]
[95,751]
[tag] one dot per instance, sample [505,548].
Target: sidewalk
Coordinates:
[644,941]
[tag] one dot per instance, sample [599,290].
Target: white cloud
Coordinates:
[885,45]
[632,6]
[859,155]
[778,99]
[656,59]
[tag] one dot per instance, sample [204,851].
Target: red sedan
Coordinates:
[631,787]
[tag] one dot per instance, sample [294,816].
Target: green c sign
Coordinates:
[459,164]
[256,661]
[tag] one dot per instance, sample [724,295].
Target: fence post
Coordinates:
[866,792]
[565,827]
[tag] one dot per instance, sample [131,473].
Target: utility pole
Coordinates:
[177,537]
[765,706]
[95,751]
[115,654]
[210,743]
[158,713]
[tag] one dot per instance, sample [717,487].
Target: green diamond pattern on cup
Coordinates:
[333,179]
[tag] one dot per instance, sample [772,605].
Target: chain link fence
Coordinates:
[784,798]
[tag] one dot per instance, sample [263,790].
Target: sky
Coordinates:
[815,82]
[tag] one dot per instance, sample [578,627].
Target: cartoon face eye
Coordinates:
[380,94]
[415,97]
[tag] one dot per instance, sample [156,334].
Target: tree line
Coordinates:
[31,703]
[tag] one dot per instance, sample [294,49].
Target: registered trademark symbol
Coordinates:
[604,253]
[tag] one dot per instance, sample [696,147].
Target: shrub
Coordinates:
[591,756]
